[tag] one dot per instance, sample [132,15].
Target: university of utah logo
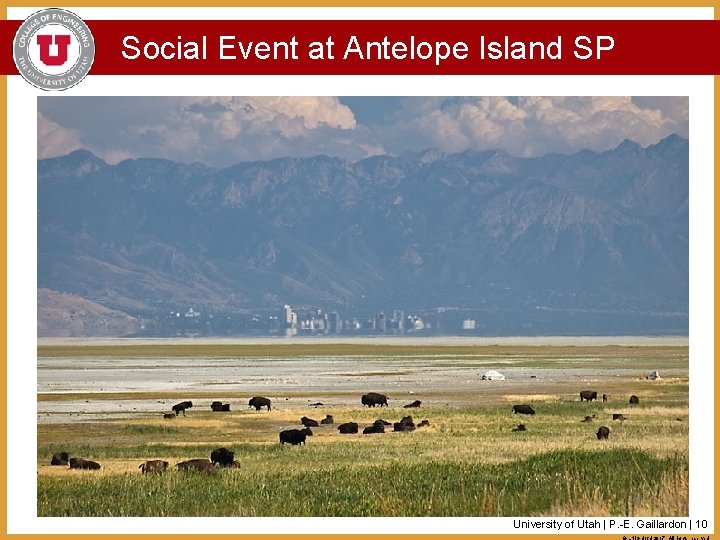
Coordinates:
[53,49]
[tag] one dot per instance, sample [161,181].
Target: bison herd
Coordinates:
[224,458]
[603,432]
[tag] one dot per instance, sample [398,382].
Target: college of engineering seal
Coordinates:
[53,49]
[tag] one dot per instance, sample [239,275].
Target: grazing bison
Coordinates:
[328,419]
[619,416]
[414,405]
[308,422]
[157,466]
[588,395]
[196,465]
[222,457]
[348,427]
[603,432]
[259,402]
[61,458]
[523,409]
[423,423]
[376,427]
[520,427]
[634,400]
[371,399]
[180,407]
[80,463]
[294,436]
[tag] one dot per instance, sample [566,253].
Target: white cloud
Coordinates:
[530,126]
[221,131]
[54,139]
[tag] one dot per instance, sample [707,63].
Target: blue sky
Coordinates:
[221,131]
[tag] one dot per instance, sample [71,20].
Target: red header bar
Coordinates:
[398,47]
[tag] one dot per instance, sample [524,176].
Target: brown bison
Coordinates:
[180,407]
[80,463]
[423,423]
[588,418]
[348,427]
[294,436]
[372,399]
[196,465]
[523,409]
[376,427]
[605,398]
[308,422]
[61,458]
[328,419]
[414,405]
[406,424]
[634,400]
[259,402]
[588,395]
[603,432]
[157,466]
[619,416]
[218,406]
[222,457]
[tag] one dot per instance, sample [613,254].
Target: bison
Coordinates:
[376,427]
[603,432]
[385,422]
[634,400]
[619,416]
[169,416]
[588,418]
[61,458]
[328,419]
[372,398]
[423,423]
[406,424]
[308,422]
[80,463]
[222,457]
[294,436]
[414,405]
[157,466]
[605,398]
[523,409]
[259,402]
[588,395]
[219,406]
[196,465]
[180,407]
[348,427]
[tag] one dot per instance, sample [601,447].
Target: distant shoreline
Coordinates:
[387,340]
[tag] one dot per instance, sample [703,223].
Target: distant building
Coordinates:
[381,323]
[468,324]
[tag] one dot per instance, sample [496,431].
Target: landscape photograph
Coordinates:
[363,306]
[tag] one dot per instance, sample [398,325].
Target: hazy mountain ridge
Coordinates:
[589,231]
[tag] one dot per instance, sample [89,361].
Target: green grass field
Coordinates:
[468,462]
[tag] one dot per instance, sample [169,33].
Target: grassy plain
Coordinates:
[468,462]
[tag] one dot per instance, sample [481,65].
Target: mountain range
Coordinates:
[602,233]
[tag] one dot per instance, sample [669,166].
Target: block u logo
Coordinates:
[61,41]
